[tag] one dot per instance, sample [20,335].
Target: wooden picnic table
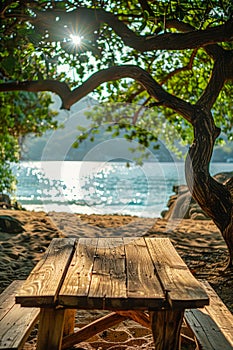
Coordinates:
[144,279]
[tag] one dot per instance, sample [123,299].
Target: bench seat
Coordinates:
[213,324]
[16,322]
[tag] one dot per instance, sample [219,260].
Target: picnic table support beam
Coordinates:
[92,329]
[69,322]
[50,338]
[166,326]
[138,316]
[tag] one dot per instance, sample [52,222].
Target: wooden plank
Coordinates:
[76,284]
[43,283]
[7,297]
[137,316]
[69,323]
[16,326]
[108,283]
[212,325]
[143,286]
[16,322]
[51,325]
[181,287]
[166,325]
[92,329]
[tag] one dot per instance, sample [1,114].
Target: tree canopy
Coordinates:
[174,57]
[158,52]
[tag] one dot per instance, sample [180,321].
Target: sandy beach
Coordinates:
[199,242]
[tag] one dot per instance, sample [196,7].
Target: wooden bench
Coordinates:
[213,324]
[16,322]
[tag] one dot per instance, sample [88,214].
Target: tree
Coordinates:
[173,56]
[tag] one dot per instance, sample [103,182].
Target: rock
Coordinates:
[199,216]
[183,206]
[5,202]
[223,177]
[10,225]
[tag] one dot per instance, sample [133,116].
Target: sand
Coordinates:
[198,242]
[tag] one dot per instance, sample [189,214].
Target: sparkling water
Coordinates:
[100,187]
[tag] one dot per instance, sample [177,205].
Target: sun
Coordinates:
[76,39]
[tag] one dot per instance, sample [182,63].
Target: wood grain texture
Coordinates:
[142,283]
[165,326]
[92,329]
[69,322]
[76,284]
[128,275]
[212,325]
[16,322]
[7,297]
[43,283]
[51,325]
[181,287]
[137,316]
[108,283]
[113,273]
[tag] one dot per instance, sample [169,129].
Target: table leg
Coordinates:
[166,326]
[51,324]
[69,322]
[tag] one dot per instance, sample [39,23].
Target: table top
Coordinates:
[120,273]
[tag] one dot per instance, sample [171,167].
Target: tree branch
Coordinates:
[146,7]
[168,41]
[221,72]
[137,113]
[213,50]
[4,5]
[114,73]
[135,94]
[178,70]
[213,88]
[57,87]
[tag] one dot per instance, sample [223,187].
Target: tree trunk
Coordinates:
[214,198]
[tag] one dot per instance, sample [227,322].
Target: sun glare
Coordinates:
[76,39]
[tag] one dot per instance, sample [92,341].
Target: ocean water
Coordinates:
[100,187]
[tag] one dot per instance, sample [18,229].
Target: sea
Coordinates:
[91,187]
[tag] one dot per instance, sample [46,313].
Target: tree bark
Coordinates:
[213,197]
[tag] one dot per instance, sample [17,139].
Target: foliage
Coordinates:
[21,113]
[36,43]
[173,57]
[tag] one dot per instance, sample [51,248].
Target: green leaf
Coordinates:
[35,38]
[142,26]
[146,15]
[8,64]
[61,4]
